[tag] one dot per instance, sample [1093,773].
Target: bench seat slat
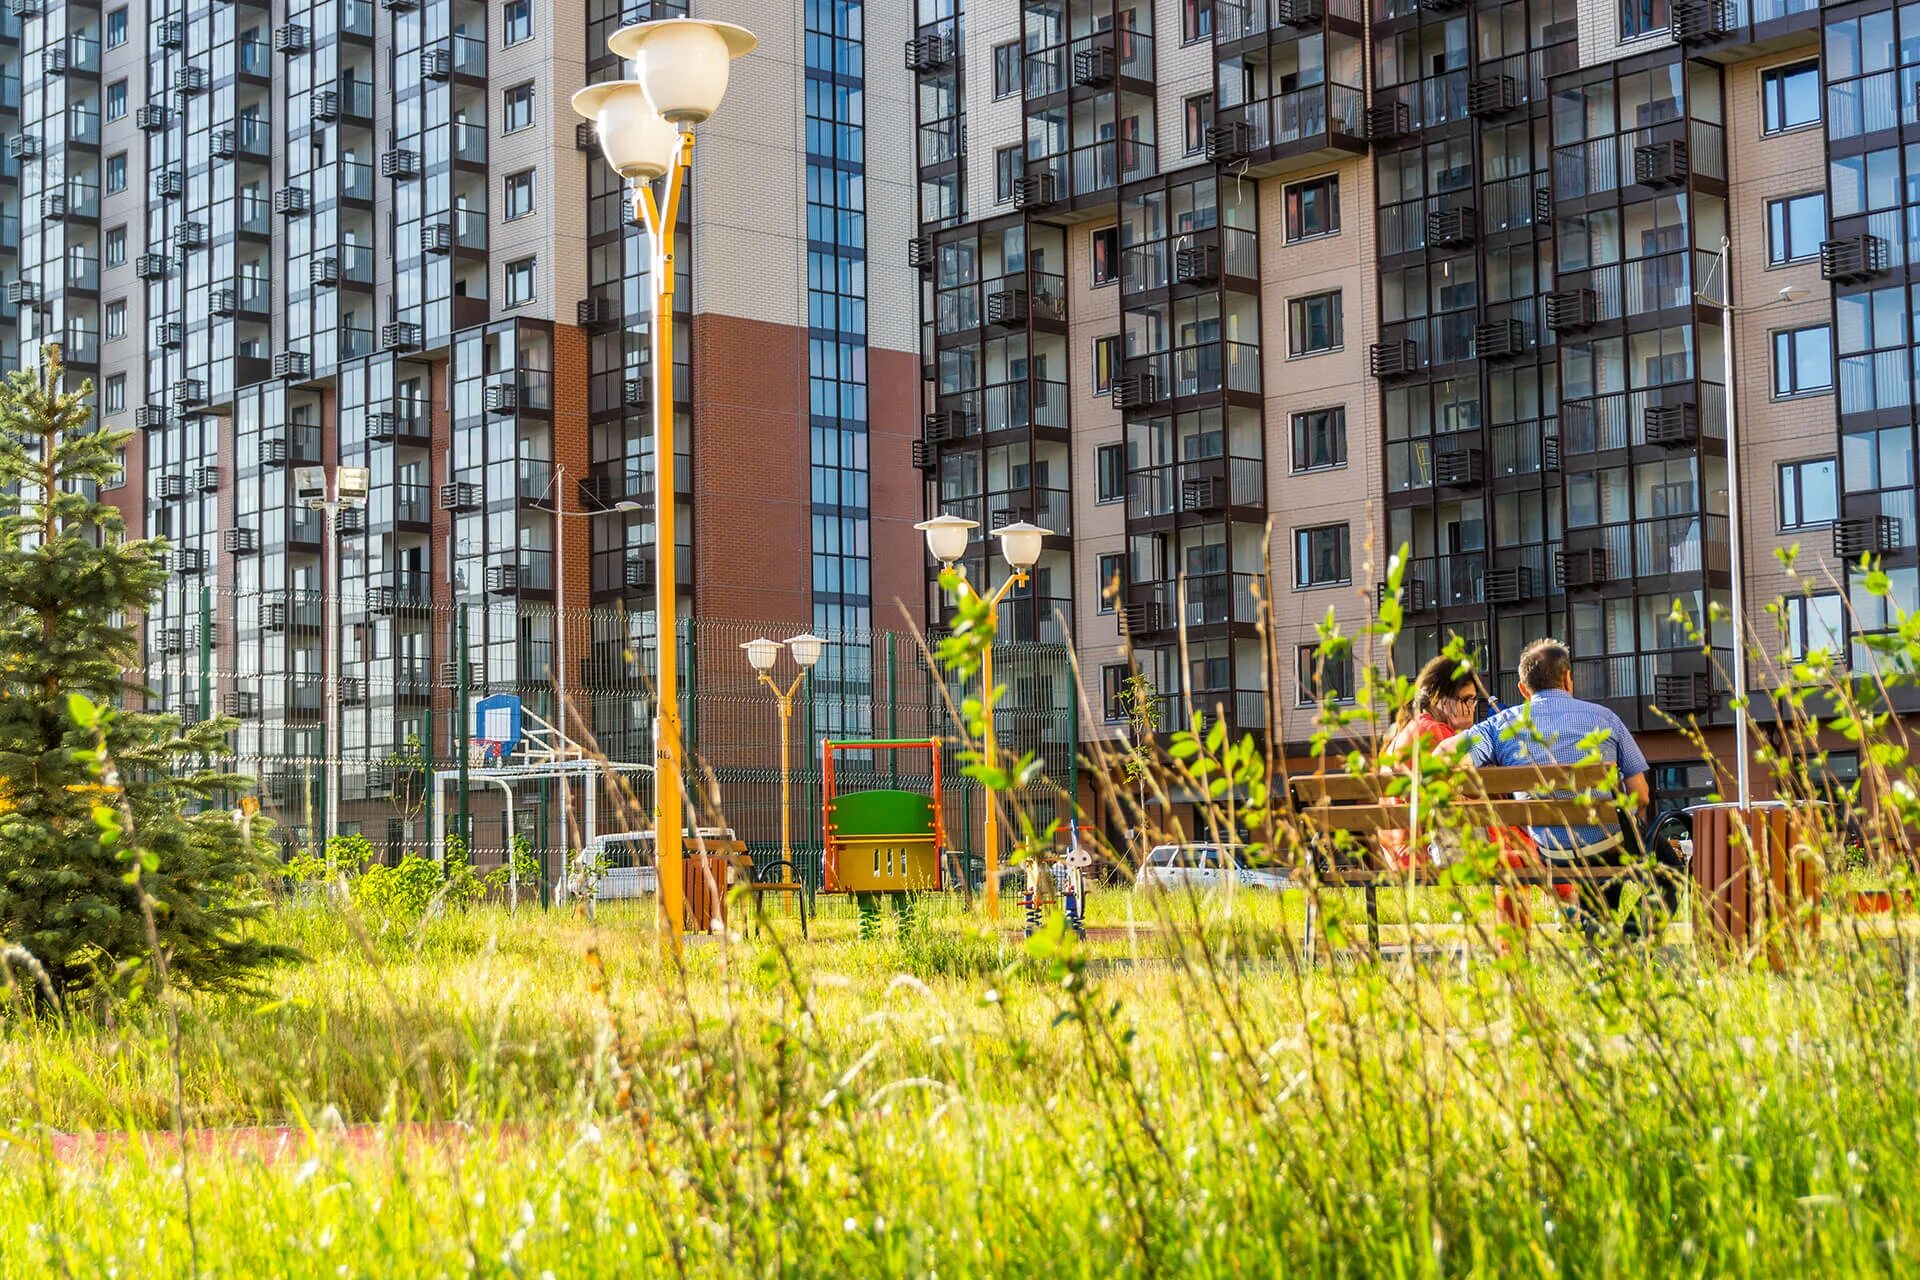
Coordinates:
[1315,788]
[1367,818]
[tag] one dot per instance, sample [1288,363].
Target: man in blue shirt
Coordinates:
[1554,727]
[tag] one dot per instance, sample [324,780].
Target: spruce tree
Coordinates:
[70,883]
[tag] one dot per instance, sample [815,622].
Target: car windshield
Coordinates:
[1163,856]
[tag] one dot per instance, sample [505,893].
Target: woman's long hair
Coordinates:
[1436,690]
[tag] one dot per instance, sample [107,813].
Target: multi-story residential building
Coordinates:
[278,233]
[1225,289]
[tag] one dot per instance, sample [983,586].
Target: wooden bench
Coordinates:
[1344,814]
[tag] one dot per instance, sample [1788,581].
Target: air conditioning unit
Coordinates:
[920,253]
[23,292]
[293,364]
[1512,584]
[54,61]
[928,53]
[1203,494]
[171,640]
[170,486]
[1853,258]
[1459,468]
[637,575]
[1393,359]
[223,302]
[290,200]
[633,392]
[1229,142]
[1696,22]
[291,38]
[326,105]
[450,675]
[584,138]
[436,237]
[350,520]
[168,333]
[1134,391]
[503,579]
[187,560]
[190,79]
[223,143]
[925,456]
[1007,307]
[1300,13]
[1454,226]
[1550,453]
[1672,426]
[399,164]
[1660,164]
[241,542]
[1581,569]
[503,397]
[599,312]
[189,393]
[1035,191]
[1571,309]
[324,272]
[1196,263]
[190,235]
[1680,694]
[206,479]
[1390,121]
[1093,66]
[942,427]
[150,417]
[152,118]
[436,63]
[400,335]
[23,146]
[1492,96]
[459,495]
[168,33]
[275,451]
[1865,536]
[242,705]
[352,690]
[399,6]
[1500,340]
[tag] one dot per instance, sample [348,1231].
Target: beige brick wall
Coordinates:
[1772,431]
[1099,528]
[1351,494]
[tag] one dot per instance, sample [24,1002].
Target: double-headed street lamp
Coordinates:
[1020,544]
[761,655]
[645,126]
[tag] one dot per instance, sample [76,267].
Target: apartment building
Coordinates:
[282,233]
[1218,289]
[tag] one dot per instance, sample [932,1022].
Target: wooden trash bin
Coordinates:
[1757,879]
[707,876]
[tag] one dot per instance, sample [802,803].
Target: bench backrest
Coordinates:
[1374,802]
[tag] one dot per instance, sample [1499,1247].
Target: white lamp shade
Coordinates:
[683,62]
[805,648]
[761,653]
[633,137]
[1020,543]
[947,536]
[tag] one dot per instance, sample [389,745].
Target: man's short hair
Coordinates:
[1545,665]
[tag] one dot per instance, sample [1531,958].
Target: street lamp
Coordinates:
[1743,788]
[645,127]
[1020,545]
[350,489]
[762,653]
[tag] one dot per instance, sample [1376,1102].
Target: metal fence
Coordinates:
[404,711]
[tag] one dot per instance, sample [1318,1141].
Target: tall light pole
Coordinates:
[350,488]
[645,127]
[1020,545]
[557,488]
[1743,783]
[762,653]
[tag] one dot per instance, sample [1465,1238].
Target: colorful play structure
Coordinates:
[881,843]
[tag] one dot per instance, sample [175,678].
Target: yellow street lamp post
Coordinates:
[1020,544]
[762,654]
[645,128]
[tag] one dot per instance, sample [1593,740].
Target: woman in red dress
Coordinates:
[1445,696]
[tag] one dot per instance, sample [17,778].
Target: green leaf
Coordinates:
[81,711]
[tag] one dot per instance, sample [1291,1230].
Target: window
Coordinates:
[1106,256]
[1006,168]
[1790,96]
[1313,324]
[1196,20]
[116,320]
[1199,120]
[1320,677]
[1113,692]
[116,28]
[1320,439]
[1795,228]
[1006,69]
[519,194]
[1313,208]
[1802,361]
[1809,495]
[1320,556]
[119,477]
[1643,18]
[117,172]
[519,282]
[113,394]
[517,22]
[519,108]
[116,99]
[116,251]
[1815,622]
[1110,470]
[1113,579]
[1106,362]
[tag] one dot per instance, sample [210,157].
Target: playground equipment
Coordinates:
[883,841]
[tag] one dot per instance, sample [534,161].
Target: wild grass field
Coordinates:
[1187,1100]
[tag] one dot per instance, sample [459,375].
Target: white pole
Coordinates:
[560,653]
[513,866]
[1737,556]
[330,816]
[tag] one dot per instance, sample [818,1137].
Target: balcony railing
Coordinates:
[83,272]
[1210,599]
[356,18]
[941,141]
[1520,448]
[255,58]
[469,56]
[1305,116]
[83,126]
[1592,424]
[355,342]
[470,143]
[1200,485]
[254,215]
[356,263]
[253,136]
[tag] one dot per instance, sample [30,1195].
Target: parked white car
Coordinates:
[1207,866]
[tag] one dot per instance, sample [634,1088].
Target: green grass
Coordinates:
[953,1103]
